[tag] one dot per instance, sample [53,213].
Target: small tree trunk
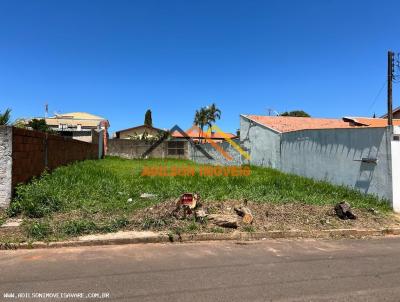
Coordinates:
[245,213]
[226,221]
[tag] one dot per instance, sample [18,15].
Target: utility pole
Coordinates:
[46,110]
[389,88]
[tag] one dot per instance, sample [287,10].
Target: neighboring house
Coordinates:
[353,151]
[261,135]
[77,125]
[195,135]
[396,113]
[370,121]
[140,132]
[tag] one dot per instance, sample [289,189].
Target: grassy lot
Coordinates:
[101,196]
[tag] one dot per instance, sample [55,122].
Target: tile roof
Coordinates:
[76,118]
[395,110]
[370,122]
[194,134]
[139,127]
[79,115]
[288,123]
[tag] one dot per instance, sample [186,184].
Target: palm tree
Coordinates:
[201,119]
[5,117]
[213,114]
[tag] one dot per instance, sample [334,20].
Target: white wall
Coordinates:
[263,144]
[5,166]
[335,155]
[396,175]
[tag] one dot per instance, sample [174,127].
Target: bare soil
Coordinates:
[267,217]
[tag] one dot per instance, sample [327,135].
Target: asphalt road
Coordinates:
[270,270]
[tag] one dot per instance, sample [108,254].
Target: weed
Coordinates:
[78,227]
[114,225]
[37,230]
[100,189]
[153,223]
[249,228]
[193,227]
[217,230]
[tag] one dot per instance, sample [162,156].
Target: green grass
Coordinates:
[99,195]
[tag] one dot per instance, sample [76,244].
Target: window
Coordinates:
[176,148]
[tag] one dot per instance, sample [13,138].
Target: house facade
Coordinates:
[141,132]
[396,113]
[77,125]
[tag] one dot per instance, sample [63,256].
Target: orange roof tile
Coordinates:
[370,122]
[194,134]
[288,123]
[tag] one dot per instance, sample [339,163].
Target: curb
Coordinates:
[235,236]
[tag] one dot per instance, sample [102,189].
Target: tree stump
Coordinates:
[343,211]
[244,212]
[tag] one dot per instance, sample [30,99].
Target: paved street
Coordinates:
[276,270]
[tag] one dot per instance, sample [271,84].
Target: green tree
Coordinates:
[201,119]
[148,119]
[5,117]
[39,125]
[213,114]
[206,116]
[296,113]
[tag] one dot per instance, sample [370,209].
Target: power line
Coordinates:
[378,94]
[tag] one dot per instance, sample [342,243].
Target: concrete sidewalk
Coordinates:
[131,237]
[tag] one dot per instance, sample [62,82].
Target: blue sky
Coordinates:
[119,58]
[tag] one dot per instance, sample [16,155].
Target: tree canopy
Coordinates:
[206,116]
[296,113]
[39,125]
[148,120]
[5,117]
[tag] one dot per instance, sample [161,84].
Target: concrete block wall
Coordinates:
[133,149]
[5,165]
[262,143]
[333,155]
[25,154]
[336,156]
[217,158]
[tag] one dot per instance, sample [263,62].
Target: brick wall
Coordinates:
[33,151]
[25,154]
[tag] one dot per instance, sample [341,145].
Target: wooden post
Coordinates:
[389,88]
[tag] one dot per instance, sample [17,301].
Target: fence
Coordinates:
[131,149]
[217,158]
[25,154]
